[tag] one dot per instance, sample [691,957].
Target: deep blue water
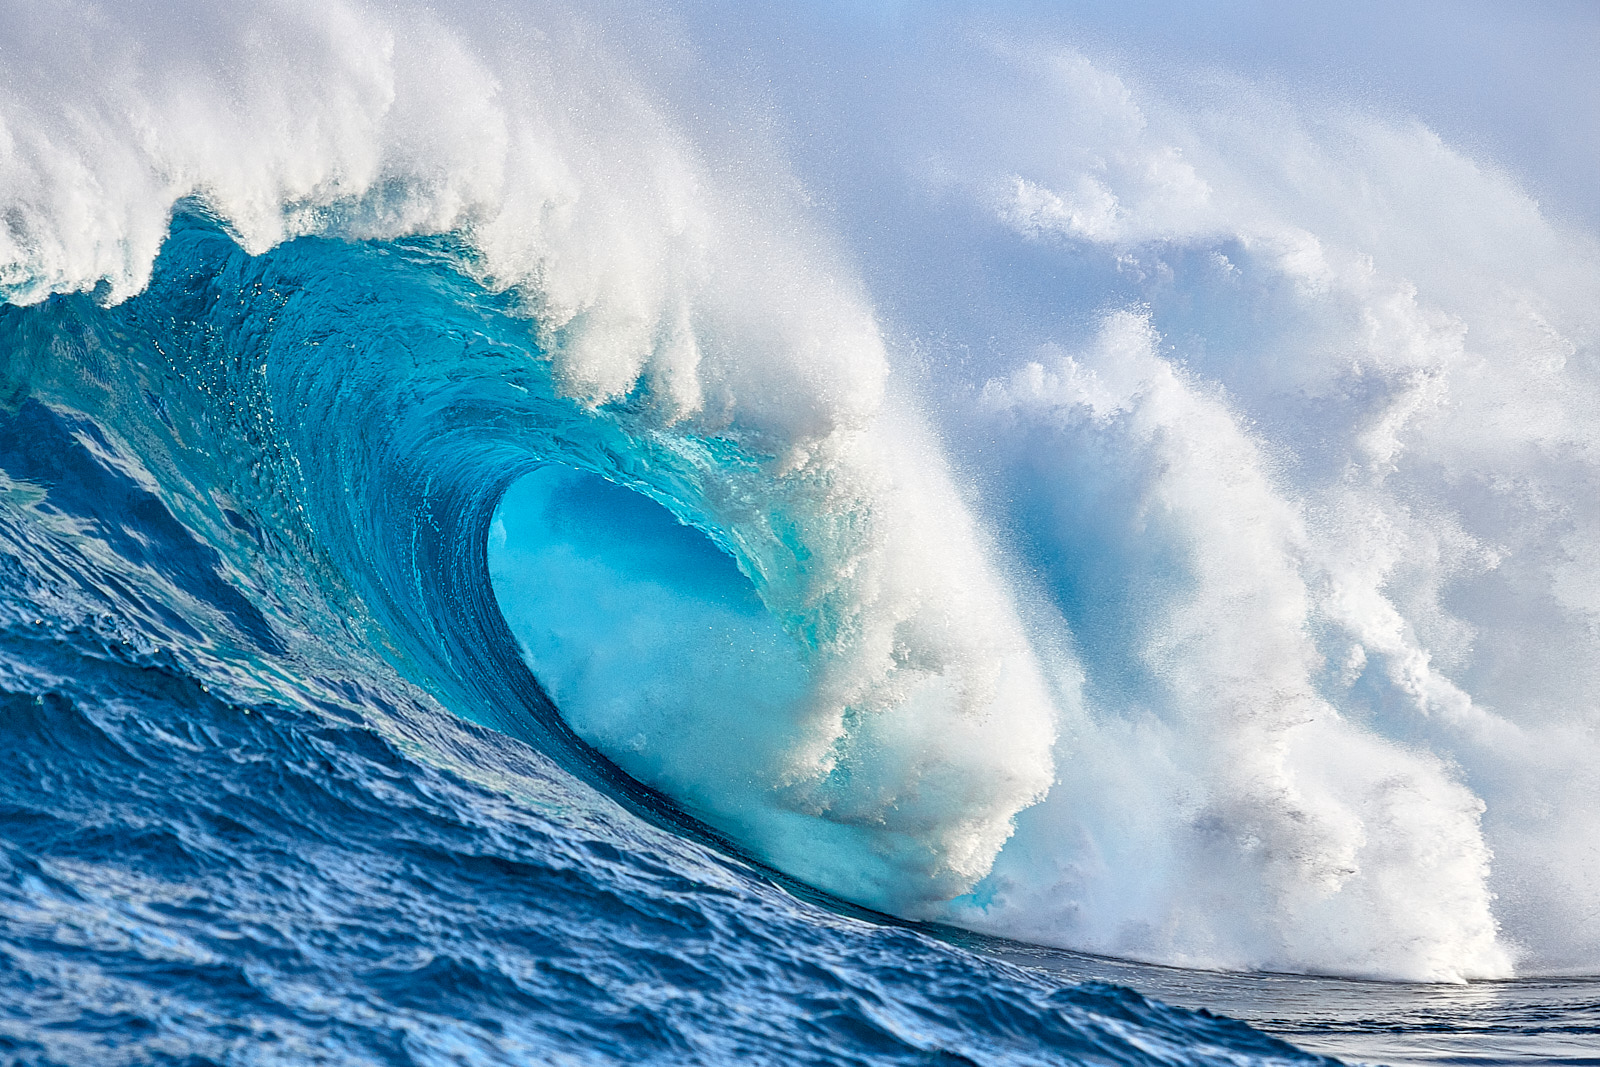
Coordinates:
[278,786]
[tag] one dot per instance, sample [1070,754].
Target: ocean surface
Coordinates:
[630,533]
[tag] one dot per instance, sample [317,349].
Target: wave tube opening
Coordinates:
[646,635]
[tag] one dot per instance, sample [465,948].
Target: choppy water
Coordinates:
[1524,1021]
[190,880]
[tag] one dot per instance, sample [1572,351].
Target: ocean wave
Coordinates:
[1228,600]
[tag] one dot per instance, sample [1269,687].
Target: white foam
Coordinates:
[1276,820]
[1432,466]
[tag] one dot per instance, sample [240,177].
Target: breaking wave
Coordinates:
[1151,524]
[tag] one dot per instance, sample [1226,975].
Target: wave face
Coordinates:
[1125,514]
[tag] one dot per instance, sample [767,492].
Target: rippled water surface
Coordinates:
[1532,1020]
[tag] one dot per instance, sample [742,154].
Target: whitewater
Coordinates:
[542,532]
